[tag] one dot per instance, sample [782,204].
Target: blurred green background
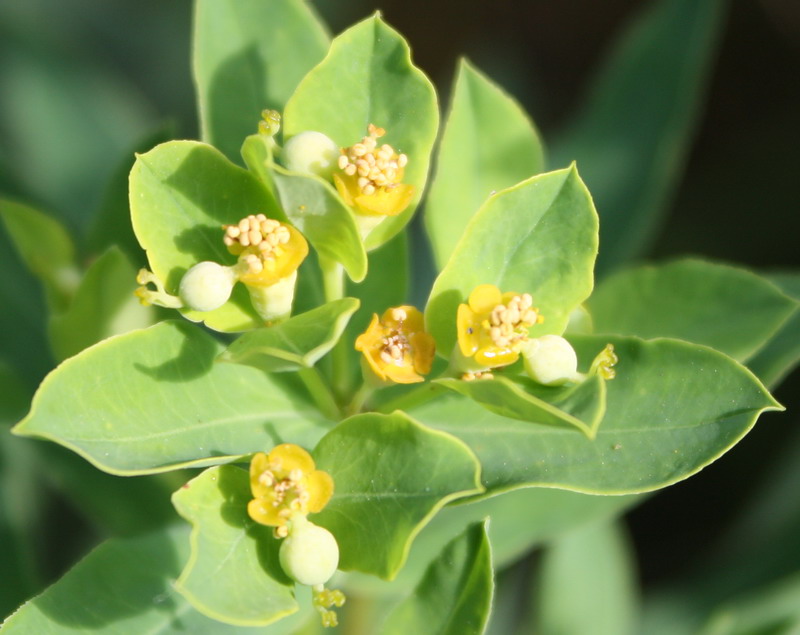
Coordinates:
[83,83]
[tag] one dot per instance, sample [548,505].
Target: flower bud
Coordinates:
[311,152]
[550,360]
[309,554]
[207,286]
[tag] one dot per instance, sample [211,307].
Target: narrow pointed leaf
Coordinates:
[313,206]
[538,237]
[249,55]
[45,247]
[126,586]
[297,343]
[181,193]
[730,309]
[488,144]
[672,409]
[631,138]
[579,406]
[104,305]
[154,400]
[391,476]
[455,596]
[367,77]
[781,354]
[594,563]
[229,548]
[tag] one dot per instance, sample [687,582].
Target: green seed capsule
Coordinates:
[309,554]
[311,152]
[207,286]
[550,360]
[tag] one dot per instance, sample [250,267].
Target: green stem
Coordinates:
[416,397]
[359,398]
[320,393]
[333,286]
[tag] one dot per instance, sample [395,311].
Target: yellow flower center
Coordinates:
[376,167]
[268,250]
[396,347]
[284,484]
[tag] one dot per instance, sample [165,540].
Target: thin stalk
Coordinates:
[333,286]
[321,393]
[360,398]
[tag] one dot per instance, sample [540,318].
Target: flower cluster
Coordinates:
[269,254]
[286,487]
[396,347]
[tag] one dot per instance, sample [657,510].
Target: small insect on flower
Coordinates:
[396,347]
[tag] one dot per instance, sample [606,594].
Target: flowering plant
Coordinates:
[328,433]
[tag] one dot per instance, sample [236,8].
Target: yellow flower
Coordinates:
[492,326]
[370,177]
[269,251]
[396,347]
[284,484]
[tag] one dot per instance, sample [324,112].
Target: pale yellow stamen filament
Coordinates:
[376,167]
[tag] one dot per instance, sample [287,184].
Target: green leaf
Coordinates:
[181,193]
[366,78]
[126,586]
[488,144]
[593,563]
[46,249]
[233,573]
[781,354]
[538,237]
[455,596]
[520,520]
[313,206]
[580,406]
[773,609]
[730,309]
[631,138]
[250,55]
[672,409]
[154,400]
[392,475]
[297,343]
[104,305]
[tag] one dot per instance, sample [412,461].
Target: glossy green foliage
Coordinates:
[297,343]
[580,406]
[782,352]
[538,237]
[125,586]
[46,249]
[366,78]
[673,408]
[595,564]
[240,556]
[729,309]
[155,399]
[103,305]
[455,596]
[312,206]
[631,137]
[392,475]
[249,55]
[488,144]
[181,193]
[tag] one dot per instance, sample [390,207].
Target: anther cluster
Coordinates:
[289,493]
[260,236]
[376,166]
[509,323]
[395,345]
